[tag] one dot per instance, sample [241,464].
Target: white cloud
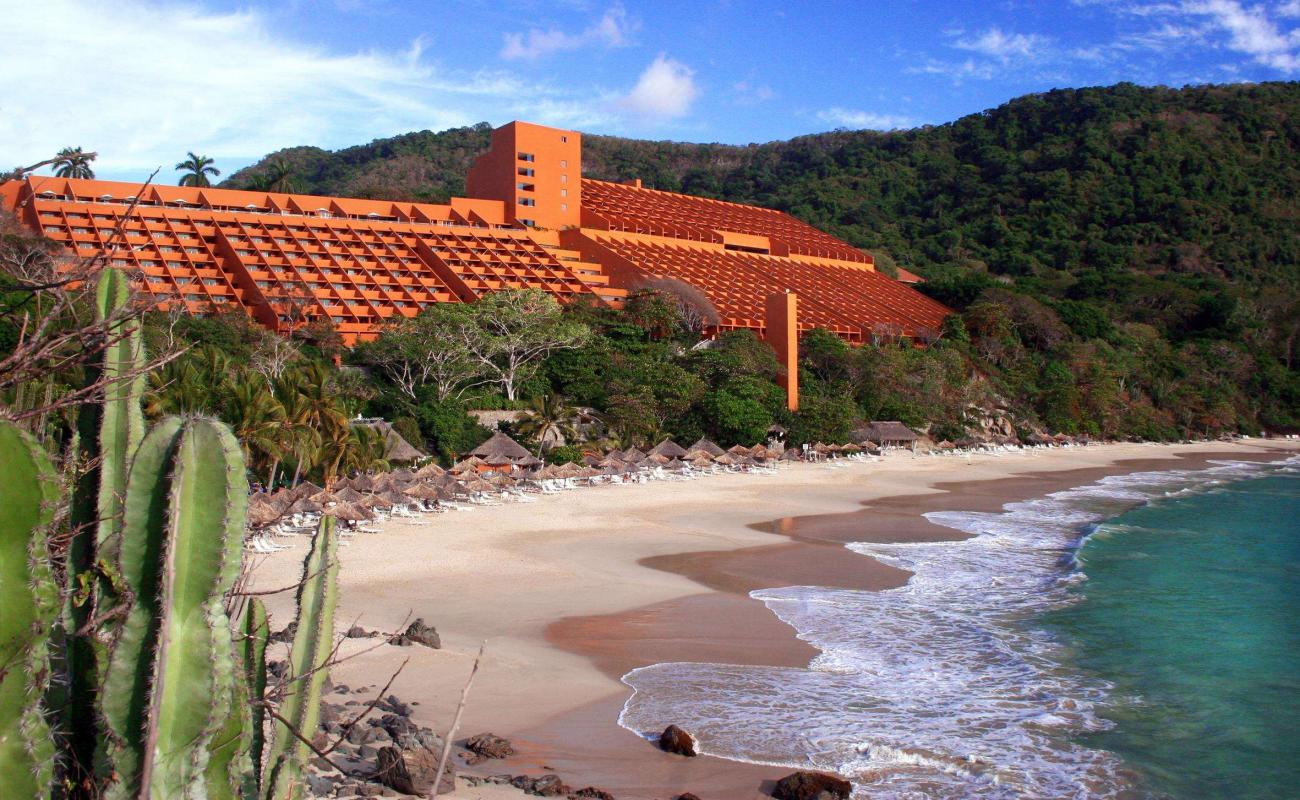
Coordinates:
[142,82]
[850,118]
[611,30]
[1003,46]
[1290,9]
[1251,31]
[665,90]
[956,71]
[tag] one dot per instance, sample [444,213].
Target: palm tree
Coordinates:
[258,421]
[279,177]
[548,420]
[197,169]
[73,163]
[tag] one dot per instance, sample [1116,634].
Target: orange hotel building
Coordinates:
[531,221]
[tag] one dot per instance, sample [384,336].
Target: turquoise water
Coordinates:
[1191,611]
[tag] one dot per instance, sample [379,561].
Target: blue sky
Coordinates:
[143,81]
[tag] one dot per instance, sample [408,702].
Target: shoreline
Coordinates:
[571,594]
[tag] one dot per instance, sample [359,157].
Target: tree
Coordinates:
[279,177]
[429,349]
[548,420]
[258,421]
[197,169]
[510,332]
[72,162]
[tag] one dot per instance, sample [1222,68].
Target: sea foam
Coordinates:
[943,688]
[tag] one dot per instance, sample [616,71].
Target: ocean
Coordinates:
[1135,637]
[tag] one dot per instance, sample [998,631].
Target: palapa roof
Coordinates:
[704,445]
[668,448]
[888,431]
[500,446]
[397,449]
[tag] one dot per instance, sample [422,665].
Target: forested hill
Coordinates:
[1175,209]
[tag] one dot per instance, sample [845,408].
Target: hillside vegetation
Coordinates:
[1126,259]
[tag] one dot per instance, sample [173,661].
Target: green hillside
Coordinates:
[1115,251]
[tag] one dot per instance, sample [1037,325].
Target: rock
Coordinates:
[487,745]
[592,791]
[803,785]
[687,796]
[411,771]
[357,735]
[287,634]
[545,786]
[320,785]
[676,740]
[418,633]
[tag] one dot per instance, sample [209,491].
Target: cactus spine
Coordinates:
[171,675]
[29,603]
[308,660]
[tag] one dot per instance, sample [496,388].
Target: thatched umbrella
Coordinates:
[668,448]
[726,460]
[497,460]
[260,514]
[588,472]
[591,459]
[500,446]
[501,480]
[470,464]
[348,495]
[633,455]
[792,454]
[656,458]
[350,513]
[363,483]
[739,450]
[424,491]
[529,460]
[675,465]
[851,448]
[430,470]
[304,506]
[395,497]
[305,489]
[705,446]
[403,474]
[612,461]
[478,485]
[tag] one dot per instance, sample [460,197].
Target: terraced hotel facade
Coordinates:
[532,221]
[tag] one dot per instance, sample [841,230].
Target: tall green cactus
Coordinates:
[110,433]
[29,604]
[313,643]
[171,675]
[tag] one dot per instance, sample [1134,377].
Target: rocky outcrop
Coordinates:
[676,740]
[805,785]
[484,746]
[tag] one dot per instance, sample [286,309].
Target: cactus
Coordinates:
[29,604]
[110,433]
[255,629]
[309,656]
[171,678]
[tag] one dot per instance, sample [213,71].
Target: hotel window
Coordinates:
[524,187]
[564,206]
[564,140]
[526,156]
[527,172]
[564,193]
[564,179]
[564,163]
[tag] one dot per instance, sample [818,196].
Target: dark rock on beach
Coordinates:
[545,786]
[593,792]
[805,785]
[676,740]
[358,632]
[418,633]
[487,745]
[411,771]
[687,796]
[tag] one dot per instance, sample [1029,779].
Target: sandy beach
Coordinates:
[570,592]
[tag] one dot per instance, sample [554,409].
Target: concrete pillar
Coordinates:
[783,335]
